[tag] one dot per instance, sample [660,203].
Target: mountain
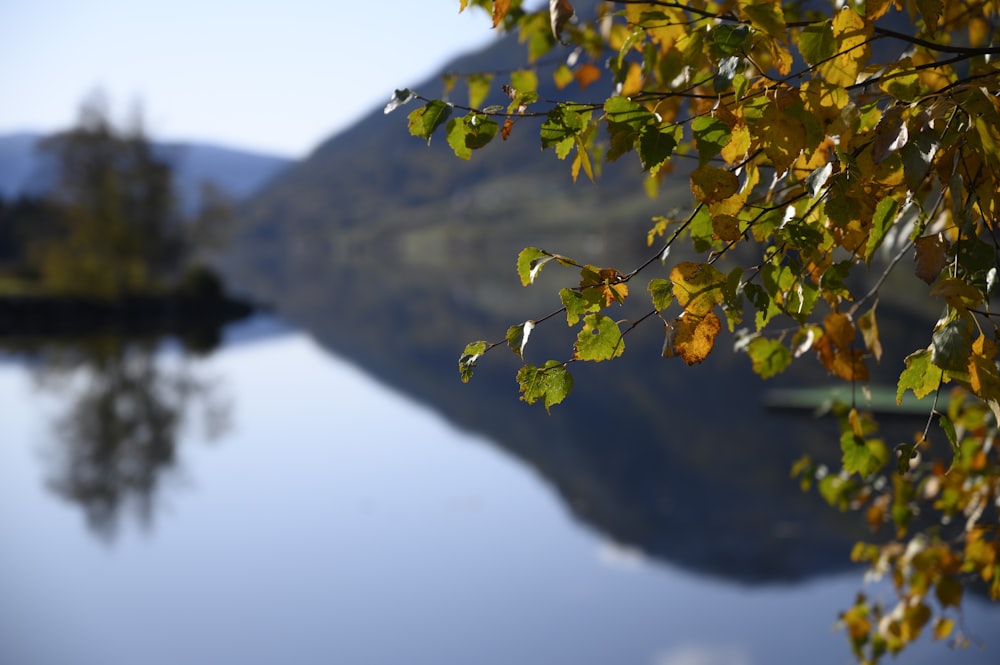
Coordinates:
[237,173]
[395,254]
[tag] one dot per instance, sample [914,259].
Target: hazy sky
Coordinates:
[276,76]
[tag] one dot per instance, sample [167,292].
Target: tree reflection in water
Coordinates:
[127,405]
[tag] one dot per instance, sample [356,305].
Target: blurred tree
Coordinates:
[123,230]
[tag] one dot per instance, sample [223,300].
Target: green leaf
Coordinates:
[861,456]
[423,121]
[882,221]
[656,144]
[948,428]
[599,339]
[550,383]
[530,262]
[479,88]
[920,376]
[817,43]
[560,127]
[731,38]
[662,292]
[732,296]
[467,361]
[951,345]
[769,356]
[711,136]
[623,111]
[579,303]
[470,133]
[517,337]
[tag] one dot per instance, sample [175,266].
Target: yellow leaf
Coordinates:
[739,144]
[632,84]
[957,293]
[710,183]
[869,330]
[943,627]
[826,102]
[876,9]
[694,337]
[984,378]
[698,287]
[852,34]
[780,135]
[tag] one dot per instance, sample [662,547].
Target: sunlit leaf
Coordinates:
[550,383]
[599,339]
[698,287]
[581,302]
[479,88]
[868,326]
[861,456]
[530,262]
[517,337]
[423,121]
[921,376]
[693,337]
[882,221]
[467,361]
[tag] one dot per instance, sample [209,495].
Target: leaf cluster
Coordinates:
[823,144]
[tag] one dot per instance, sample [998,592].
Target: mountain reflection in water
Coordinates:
[340,521]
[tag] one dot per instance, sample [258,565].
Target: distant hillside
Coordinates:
[238,173]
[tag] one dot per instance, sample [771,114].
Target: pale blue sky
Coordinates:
[276,76]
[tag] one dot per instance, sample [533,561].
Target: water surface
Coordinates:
[338,521]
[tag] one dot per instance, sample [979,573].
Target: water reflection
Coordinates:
[123,406]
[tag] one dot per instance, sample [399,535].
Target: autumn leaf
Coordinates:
[851,35]
[698,287]
[500,8]
[840,329]
[869,331]
[984,378]
[586,74]
[710,183]
[693,337]
[931,257]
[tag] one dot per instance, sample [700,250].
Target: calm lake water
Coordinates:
[321,517]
